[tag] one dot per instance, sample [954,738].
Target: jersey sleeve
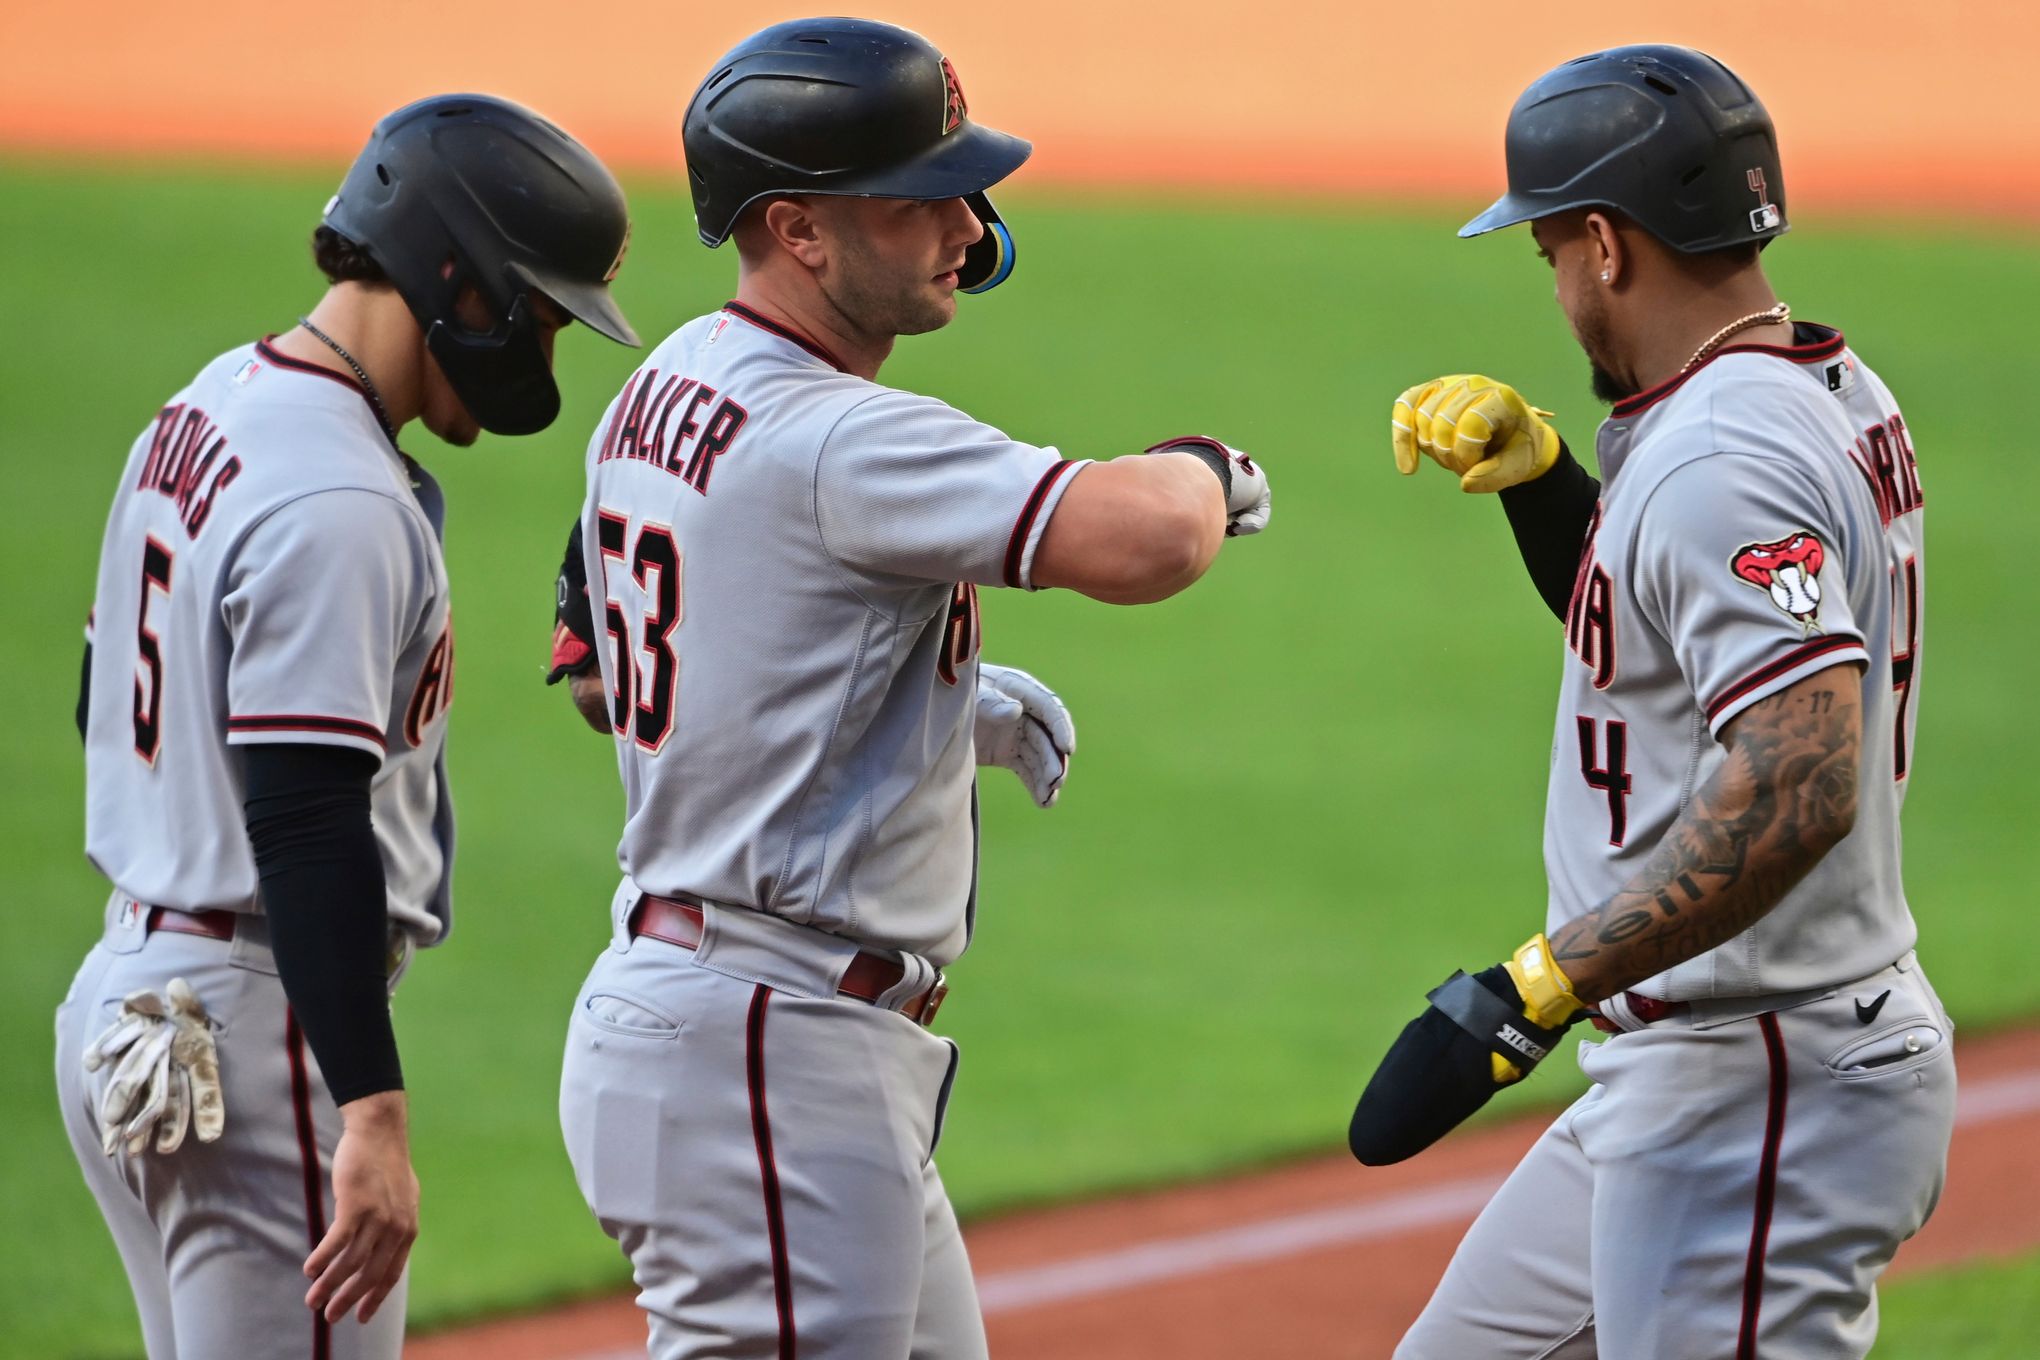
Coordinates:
[319,600]
[1738,564]
[908,486]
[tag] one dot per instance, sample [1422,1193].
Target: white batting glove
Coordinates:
[1022,725]
[167,1077]
[1247,500]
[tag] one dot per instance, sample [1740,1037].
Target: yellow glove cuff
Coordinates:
[1548,445]
[1547,992]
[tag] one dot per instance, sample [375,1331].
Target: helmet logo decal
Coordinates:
[1788,570]
[621,251]
[954,110]
[1765,216]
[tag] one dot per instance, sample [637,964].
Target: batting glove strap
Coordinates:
[573,640]
[1248,502]
[1499,1024]
[1215,456]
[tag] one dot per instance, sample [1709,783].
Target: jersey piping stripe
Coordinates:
[1815,352]
[1798,656]
[307,722]
[281,360]
[768,1169]
[308,1163]
[1016,546]
[1767,1191]
[766,323]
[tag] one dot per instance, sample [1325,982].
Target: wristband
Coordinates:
[1215,456]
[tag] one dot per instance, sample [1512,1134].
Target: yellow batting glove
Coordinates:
[1409,424]
[1547,995]
[1481,430]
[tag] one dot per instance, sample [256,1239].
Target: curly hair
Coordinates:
[342,261]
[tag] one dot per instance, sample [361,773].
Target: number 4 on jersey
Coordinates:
[641,707]
[1611,776]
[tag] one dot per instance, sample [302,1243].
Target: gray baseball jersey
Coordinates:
[1760,520]
[271,572]
[787,557]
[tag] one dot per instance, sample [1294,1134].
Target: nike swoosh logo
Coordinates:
[1868,1014]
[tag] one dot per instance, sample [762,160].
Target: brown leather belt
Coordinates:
[1648,1009]
[214,925]
[869,976]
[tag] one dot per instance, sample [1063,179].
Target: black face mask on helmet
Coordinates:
[849,107]
[470,191]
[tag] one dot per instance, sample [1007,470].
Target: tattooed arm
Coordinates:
[1783,798]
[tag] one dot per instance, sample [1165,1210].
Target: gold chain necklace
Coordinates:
[1770,316]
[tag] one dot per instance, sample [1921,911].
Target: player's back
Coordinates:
[786,558]
[265,553]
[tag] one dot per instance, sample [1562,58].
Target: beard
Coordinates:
[885,297]
[1608,389]
[1590,328]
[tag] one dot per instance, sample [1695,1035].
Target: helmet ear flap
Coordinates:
[504,379]
[987,261]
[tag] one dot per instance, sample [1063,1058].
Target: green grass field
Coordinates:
[1305,791]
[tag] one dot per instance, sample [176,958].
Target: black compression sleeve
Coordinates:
[323,892]
[84,691]
[1550,517]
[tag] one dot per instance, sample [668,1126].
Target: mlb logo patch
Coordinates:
[246,371]
[1765,216]
[1841,376]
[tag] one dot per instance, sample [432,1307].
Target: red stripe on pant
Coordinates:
[308,1163]
[1767,1190]
[768,1169]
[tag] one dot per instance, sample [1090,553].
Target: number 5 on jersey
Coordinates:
[156,564]
[641,705]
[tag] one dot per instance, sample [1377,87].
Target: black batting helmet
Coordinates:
[850,107]
[467,189]
[1668,135]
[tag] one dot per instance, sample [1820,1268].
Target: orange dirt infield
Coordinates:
[1325,1258]
[1883,104]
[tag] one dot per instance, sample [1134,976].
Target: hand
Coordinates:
[1478,1035]
[375,1211]
[591,700]
[1022,725]
[168,1078]
[1476,428]
[1248,502]
[1545,995]
[573,640]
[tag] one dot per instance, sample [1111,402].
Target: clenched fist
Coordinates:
[1248,502]
[1480,430]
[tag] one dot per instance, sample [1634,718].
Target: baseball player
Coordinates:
[1742,594]
[783,560]
[268,675]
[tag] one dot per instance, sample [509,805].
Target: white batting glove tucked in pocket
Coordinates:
[1022,725]
[166,1081]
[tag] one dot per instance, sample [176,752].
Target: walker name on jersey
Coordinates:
[679,425]
[185,464]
